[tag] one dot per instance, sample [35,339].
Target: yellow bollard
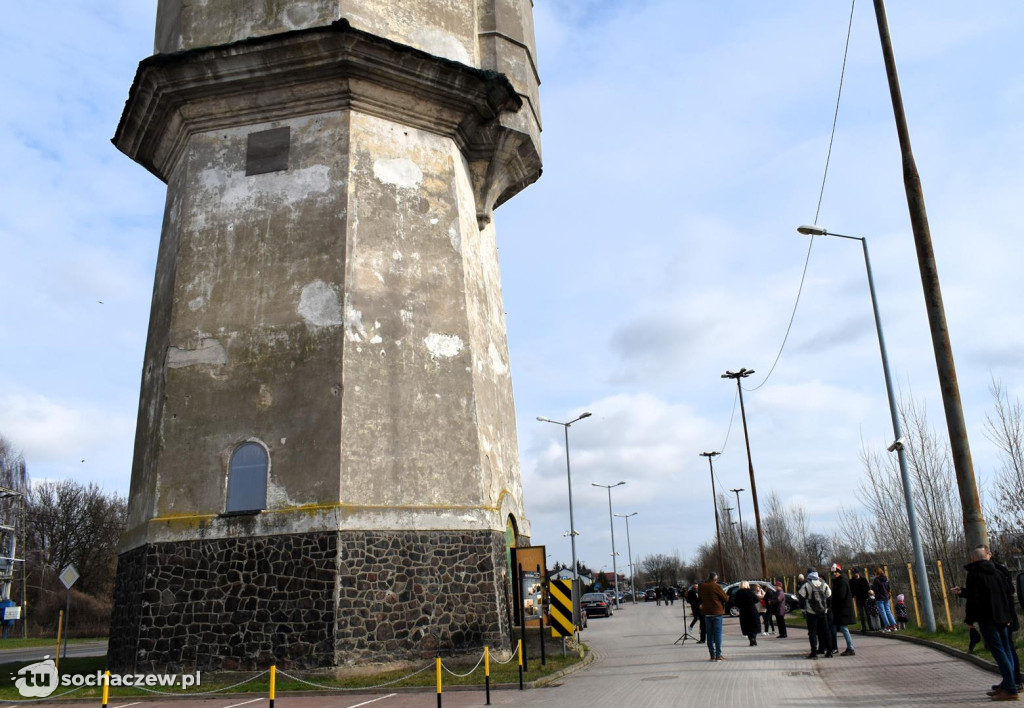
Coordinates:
[438,682]
[273,683]
[60,626]
[945,597]
[520,652]
[106,688]
[913,593]
[487,673]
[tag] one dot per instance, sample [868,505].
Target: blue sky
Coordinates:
[683,143]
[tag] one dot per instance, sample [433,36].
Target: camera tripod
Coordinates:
[686,628]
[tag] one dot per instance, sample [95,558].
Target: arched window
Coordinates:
[247,478]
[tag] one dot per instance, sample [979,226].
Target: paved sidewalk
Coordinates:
[639,666]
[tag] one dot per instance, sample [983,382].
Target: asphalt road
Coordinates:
[638,665]
[37,653]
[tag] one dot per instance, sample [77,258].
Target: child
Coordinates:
[871,609]
[901,613]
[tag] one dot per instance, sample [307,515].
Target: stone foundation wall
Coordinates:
[317,600]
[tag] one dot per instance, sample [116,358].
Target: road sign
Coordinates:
[12,613]
[69,575]
[561,608]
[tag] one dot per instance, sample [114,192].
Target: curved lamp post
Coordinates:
[897,446]
[568,472]
[629,551]
[615,568]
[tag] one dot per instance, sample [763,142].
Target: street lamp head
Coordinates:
[542,419]
[812,230]
[737,491]
[710,454]
[585,414]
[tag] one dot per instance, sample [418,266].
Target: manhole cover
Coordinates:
[659,678]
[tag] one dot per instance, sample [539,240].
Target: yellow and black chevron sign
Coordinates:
[560,592]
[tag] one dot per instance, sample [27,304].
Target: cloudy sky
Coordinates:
[683,143]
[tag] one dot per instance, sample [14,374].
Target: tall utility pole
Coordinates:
[975,532]
[714,499]
[739,376]
[739,510]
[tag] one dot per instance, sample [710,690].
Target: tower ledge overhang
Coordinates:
[336,67]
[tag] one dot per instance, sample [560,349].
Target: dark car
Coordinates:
[650,594]
[596,603]
[792,600]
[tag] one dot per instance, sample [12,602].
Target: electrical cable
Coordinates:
[821,194]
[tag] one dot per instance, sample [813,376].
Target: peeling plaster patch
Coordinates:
[497,363]
[406,317]
[196,303]
[434,220]
[319,305]
[236,191]
[284,440]
[455,236]
[434,41]
[277,497]
[210,351]
[399,171]
[375,339]
[443,345]
[397,255]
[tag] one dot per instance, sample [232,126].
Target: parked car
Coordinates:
[596,603]
[650,594]
[792,600]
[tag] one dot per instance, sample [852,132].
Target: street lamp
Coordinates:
[908,493]
[739,376]
[568,473]
[714,500]
[615,569]
[629,551]
[739,509]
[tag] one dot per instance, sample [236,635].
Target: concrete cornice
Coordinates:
[311,71]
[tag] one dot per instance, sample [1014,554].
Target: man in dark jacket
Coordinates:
[842,607]
[859,587]
[693,598]
[990,605]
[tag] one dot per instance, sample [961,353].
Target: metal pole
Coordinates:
[572,524]
[739,375]
[975,533]
[908,493]
[629,551]
[739,510]
[714,500]
[615,571]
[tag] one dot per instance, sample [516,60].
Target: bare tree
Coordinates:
[70,522]
[1005,428]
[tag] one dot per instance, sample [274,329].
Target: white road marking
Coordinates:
[254,700]
[374,700]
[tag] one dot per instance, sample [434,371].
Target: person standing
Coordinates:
[859,587]
[712,606]
[881,587]
[990,606]
[779,607]
[693,598]
[814,594]
[745,601]
[842,607]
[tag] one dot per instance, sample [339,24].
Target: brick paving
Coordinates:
[639,666]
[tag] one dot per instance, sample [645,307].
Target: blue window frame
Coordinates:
[247,478]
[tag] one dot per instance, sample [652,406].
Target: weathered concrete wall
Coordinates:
[328,287]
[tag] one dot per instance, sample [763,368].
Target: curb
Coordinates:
[944,648]
[548,680]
